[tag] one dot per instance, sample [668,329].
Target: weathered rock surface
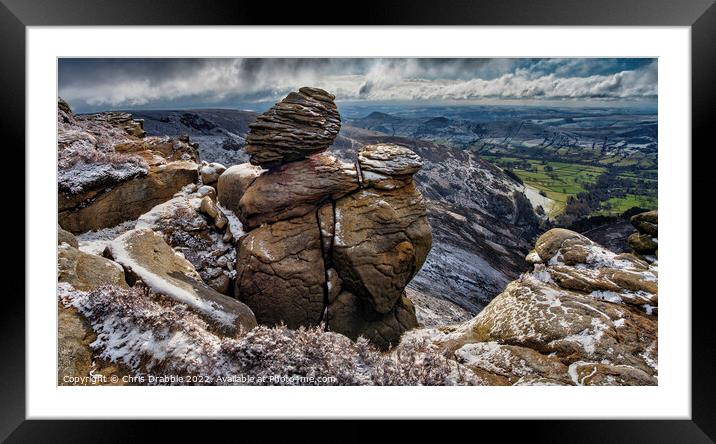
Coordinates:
[145,255]
[381,241]
[294,189]
[644,242]
[234,182]
[205,240]
[387,166]
[348,315]
[281,274]
[98,209]
[509,364]
[602,331]
[86,271]
[76,363]
[303,123]
[66,237]
[108,172]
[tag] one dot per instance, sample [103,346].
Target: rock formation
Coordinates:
[329,241]
[193,225]
[644,242]
[109,172]
[303,123]
[583,316]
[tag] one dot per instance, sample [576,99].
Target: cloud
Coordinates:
[117,83]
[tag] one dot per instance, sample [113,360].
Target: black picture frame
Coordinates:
[700,15]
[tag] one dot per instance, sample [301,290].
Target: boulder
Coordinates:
[86,271]
[234,182]
[296,189]
[387,166]
[280,272]
[303,123]
[647,223]
[66,237]
[643,243]
[381,240]
[209,207]
[327,241]
[206,190]
[95,210]
[563,241]
[348,315]
[210,172]
[145,255]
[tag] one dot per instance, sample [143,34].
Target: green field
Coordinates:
[569,179]
[618,205]
[565,179]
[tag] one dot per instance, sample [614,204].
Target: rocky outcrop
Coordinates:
[109,172]
[96,209]
[147,257]
[583,316]
[644,242]
[193,225]
[303,123]
[329,242]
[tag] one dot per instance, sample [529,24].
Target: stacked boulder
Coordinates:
[644,242]
[327,241]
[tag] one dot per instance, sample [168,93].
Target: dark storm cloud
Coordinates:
[166,82]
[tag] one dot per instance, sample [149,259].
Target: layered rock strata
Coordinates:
[303,123]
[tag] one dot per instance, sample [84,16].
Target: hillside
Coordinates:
[561,153]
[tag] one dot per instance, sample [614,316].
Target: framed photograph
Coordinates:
[415,212]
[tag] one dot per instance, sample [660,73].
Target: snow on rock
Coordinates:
[582,305]
[94,242]
[82,173]
[157,337]
[144,255]
[193,234]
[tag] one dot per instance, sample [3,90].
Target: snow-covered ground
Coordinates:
[94,242]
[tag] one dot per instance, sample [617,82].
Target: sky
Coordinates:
[95,84]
